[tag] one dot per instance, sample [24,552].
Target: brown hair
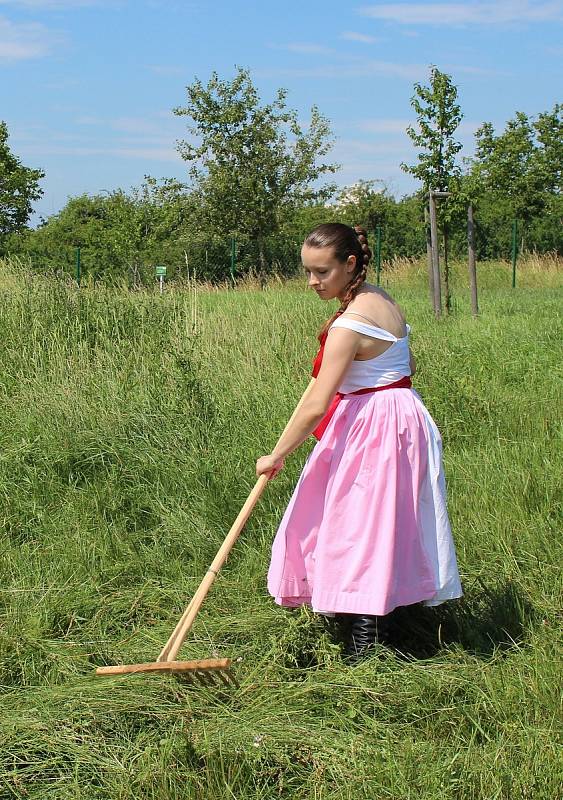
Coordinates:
[345,241]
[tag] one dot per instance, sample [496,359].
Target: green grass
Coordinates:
[129,429]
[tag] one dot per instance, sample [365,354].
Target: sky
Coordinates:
[87,87]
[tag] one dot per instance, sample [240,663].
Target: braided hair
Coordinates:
[345,241]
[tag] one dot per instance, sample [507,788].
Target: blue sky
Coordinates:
[88,86]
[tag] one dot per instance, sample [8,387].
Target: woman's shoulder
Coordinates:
[380,309]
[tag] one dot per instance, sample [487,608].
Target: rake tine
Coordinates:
[208,678]
[232,677]
[201,678]
[224,677]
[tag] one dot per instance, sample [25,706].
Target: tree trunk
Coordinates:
[435,256]
[448,297]
[471,260]
[429,254]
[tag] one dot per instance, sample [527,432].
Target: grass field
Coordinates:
[129,428]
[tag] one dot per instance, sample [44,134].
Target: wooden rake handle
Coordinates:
[176,640]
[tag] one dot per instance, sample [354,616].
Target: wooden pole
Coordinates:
[471,260]
[435,255]
[514,251]
[174,643]
[447,272]
[429,254]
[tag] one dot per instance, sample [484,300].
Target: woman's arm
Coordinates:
[340,348]
[412,362]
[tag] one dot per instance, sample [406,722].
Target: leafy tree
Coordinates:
[438,116]
[18,188]
[521,169]
[370,204]
[549,153]
[252,164]
[120,235]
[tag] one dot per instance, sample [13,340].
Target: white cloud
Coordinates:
[19,42]
[51,5]
[145,153]
[352,69]
[352,36]
[163,129]
[150,138]
[480,13]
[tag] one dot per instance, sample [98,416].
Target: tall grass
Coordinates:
[129,428]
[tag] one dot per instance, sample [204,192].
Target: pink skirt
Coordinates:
[367,527]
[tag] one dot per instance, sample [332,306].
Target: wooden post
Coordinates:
[471,260]
[447,273]
[429,254]
[435,255]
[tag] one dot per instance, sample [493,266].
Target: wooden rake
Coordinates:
[209,671]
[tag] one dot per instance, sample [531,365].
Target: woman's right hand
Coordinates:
[269,464]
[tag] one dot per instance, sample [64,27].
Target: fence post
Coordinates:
[378,254]
[78,267]
[514,250]
[429,254]
[471,259]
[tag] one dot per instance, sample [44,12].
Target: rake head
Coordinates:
[207,672]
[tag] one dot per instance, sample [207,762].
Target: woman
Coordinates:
[367,528]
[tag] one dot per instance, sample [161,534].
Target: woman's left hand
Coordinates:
[267,465]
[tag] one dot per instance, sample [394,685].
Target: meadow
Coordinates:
[130,424]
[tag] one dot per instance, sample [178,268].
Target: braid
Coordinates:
[361,270]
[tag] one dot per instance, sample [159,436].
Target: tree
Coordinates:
[120,235]
[521,168]
[438,117]
[252,164]
[18,188]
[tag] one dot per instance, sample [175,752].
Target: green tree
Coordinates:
[19,187]
[252,164]
[520,170]
[121,236]
[438,116]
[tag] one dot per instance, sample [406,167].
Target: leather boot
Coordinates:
[366,630]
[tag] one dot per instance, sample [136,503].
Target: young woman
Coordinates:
[367,527]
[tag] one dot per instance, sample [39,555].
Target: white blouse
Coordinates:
[390,366]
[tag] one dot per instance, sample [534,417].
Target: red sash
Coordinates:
[402,383]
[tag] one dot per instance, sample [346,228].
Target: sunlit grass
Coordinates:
[130,424]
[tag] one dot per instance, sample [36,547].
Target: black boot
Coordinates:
[366,630]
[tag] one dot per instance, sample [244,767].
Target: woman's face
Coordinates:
[326,275]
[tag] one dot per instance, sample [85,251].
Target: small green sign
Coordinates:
[160,271]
